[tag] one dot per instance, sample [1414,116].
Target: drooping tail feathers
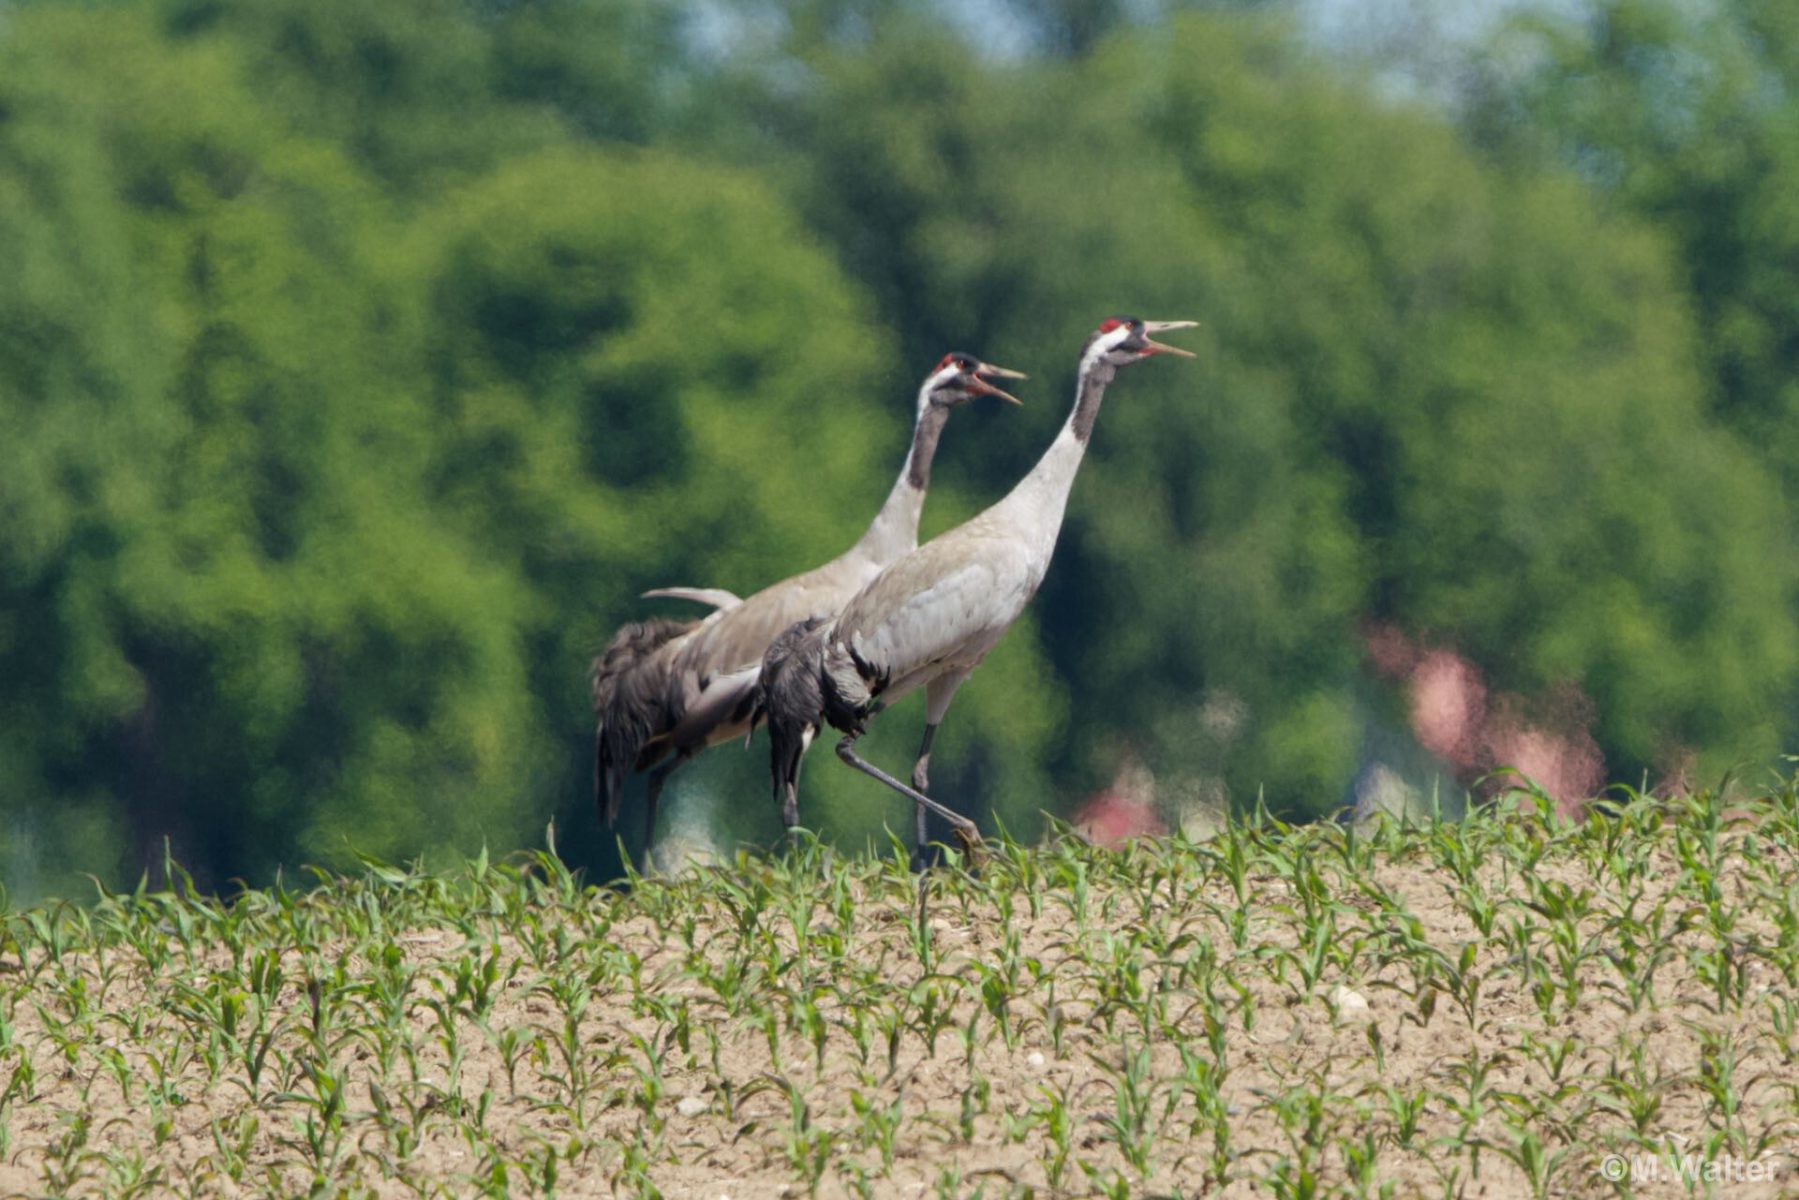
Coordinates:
[790,697]
[630,683]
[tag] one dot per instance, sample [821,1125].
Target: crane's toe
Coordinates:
[973,848]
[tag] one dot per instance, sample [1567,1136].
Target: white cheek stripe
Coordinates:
[930,385]
[1104,345]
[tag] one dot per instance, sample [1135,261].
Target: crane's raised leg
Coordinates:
[965,829]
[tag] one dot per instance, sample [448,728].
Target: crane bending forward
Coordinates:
[667,689]
[931,617]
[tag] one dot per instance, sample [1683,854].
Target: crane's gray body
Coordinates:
[691,687]
[931,617]
[710,671]
[694,687]
[938,611]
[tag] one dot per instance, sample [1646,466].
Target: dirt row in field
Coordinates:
[1064,1022]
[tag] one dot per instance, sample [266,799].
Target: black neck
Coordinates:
[924,444]
[1093,391]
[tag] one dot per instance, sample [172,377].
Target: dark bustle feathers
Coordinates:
[627,700]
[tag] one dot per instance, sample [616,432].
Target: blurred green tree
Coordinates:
[645,373]
[359,366]
[1440,394]
[1688,116]
[236,614]
[405,90]
[422,93]
[327,493]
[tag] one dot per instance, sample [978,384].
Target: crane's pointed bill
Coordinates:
[983,388]
[1154,347]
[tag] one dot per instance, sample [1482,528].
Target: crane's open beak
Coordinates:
[983,388]
[1154,347]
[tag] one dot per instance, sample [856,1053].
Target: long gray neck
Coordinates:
[894,531]
[1042,496]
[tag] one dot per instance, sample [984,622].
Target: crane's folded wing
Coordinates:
[735,638]
[719,712]
[947,607]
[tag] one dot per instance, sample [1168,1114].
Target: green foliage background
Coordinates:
[359,365]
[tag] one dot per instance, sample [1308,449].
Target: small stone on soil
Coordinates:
[1350,1005]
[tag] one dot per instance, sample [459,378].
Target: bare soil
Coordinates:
[668,1043]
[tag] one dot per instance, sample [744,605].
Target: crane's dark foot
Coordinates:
[929,855]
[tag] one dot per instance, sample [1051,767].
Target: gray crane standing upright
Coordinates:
[666,689]
[932,616]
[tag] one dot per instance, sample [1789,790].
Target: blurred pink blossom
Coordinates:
[1451,716]
[1393,654]
[1124,810]
[1109,819]
[1564,760]
[1448,706]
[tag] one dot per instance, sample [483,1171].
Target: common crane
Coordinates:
[929,619]
[665,690]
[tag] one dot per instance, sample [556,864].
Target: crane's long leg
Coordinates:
[658,777]
[938,693]
[965,829]
[921,780]
[788,761]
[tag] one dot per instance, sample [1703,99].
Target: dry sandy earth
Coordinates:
[1085,1023]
